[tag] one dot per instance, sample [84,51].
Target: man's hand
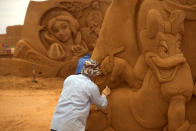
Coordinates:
[106,91]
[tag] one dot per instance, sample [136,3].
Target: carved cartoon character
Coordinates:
[166,7]
[61,30]
[162,77]
[94,21]
[146,108]
[170,67]
[64,38]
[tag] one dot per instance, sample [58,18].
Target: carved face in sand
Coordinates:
[61,30]
[168,45]
[165,61]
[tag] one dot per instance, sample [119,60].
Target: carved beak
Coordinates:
[164,68]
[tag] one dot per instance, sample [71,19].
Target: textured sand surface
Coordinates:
[26,106]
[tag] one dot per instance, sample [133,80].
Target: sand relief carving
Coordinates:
[63,37]
[67,32]
[84,33]
[166,7]
[161,79]
[168,64]
[62,42]
[94,21]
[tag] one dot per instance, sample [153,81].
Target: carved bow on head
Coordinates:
[165,36]
[176,22]
[174,25]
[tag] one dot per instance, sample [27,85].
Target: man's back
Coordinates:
[74,103]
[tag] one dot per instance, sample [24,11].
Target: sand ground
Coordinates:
[27,106]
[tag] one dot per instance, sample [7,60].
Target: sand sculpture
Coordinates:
[55,35]
[146,50]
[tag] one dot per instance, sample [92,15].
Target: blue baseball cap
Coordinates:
[81,63]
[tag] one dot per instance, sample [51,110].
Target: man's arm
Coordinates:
[99,100]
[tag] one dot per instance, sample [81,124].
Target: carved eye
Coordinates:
[163,49]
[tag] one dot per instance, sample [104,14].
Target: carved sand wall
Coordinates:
[55,35]
[146,52]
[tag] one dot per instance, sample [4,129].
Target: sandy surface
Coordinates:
[26,106]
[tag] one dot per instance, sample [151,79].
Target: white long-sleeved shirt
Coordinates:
[73,106]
